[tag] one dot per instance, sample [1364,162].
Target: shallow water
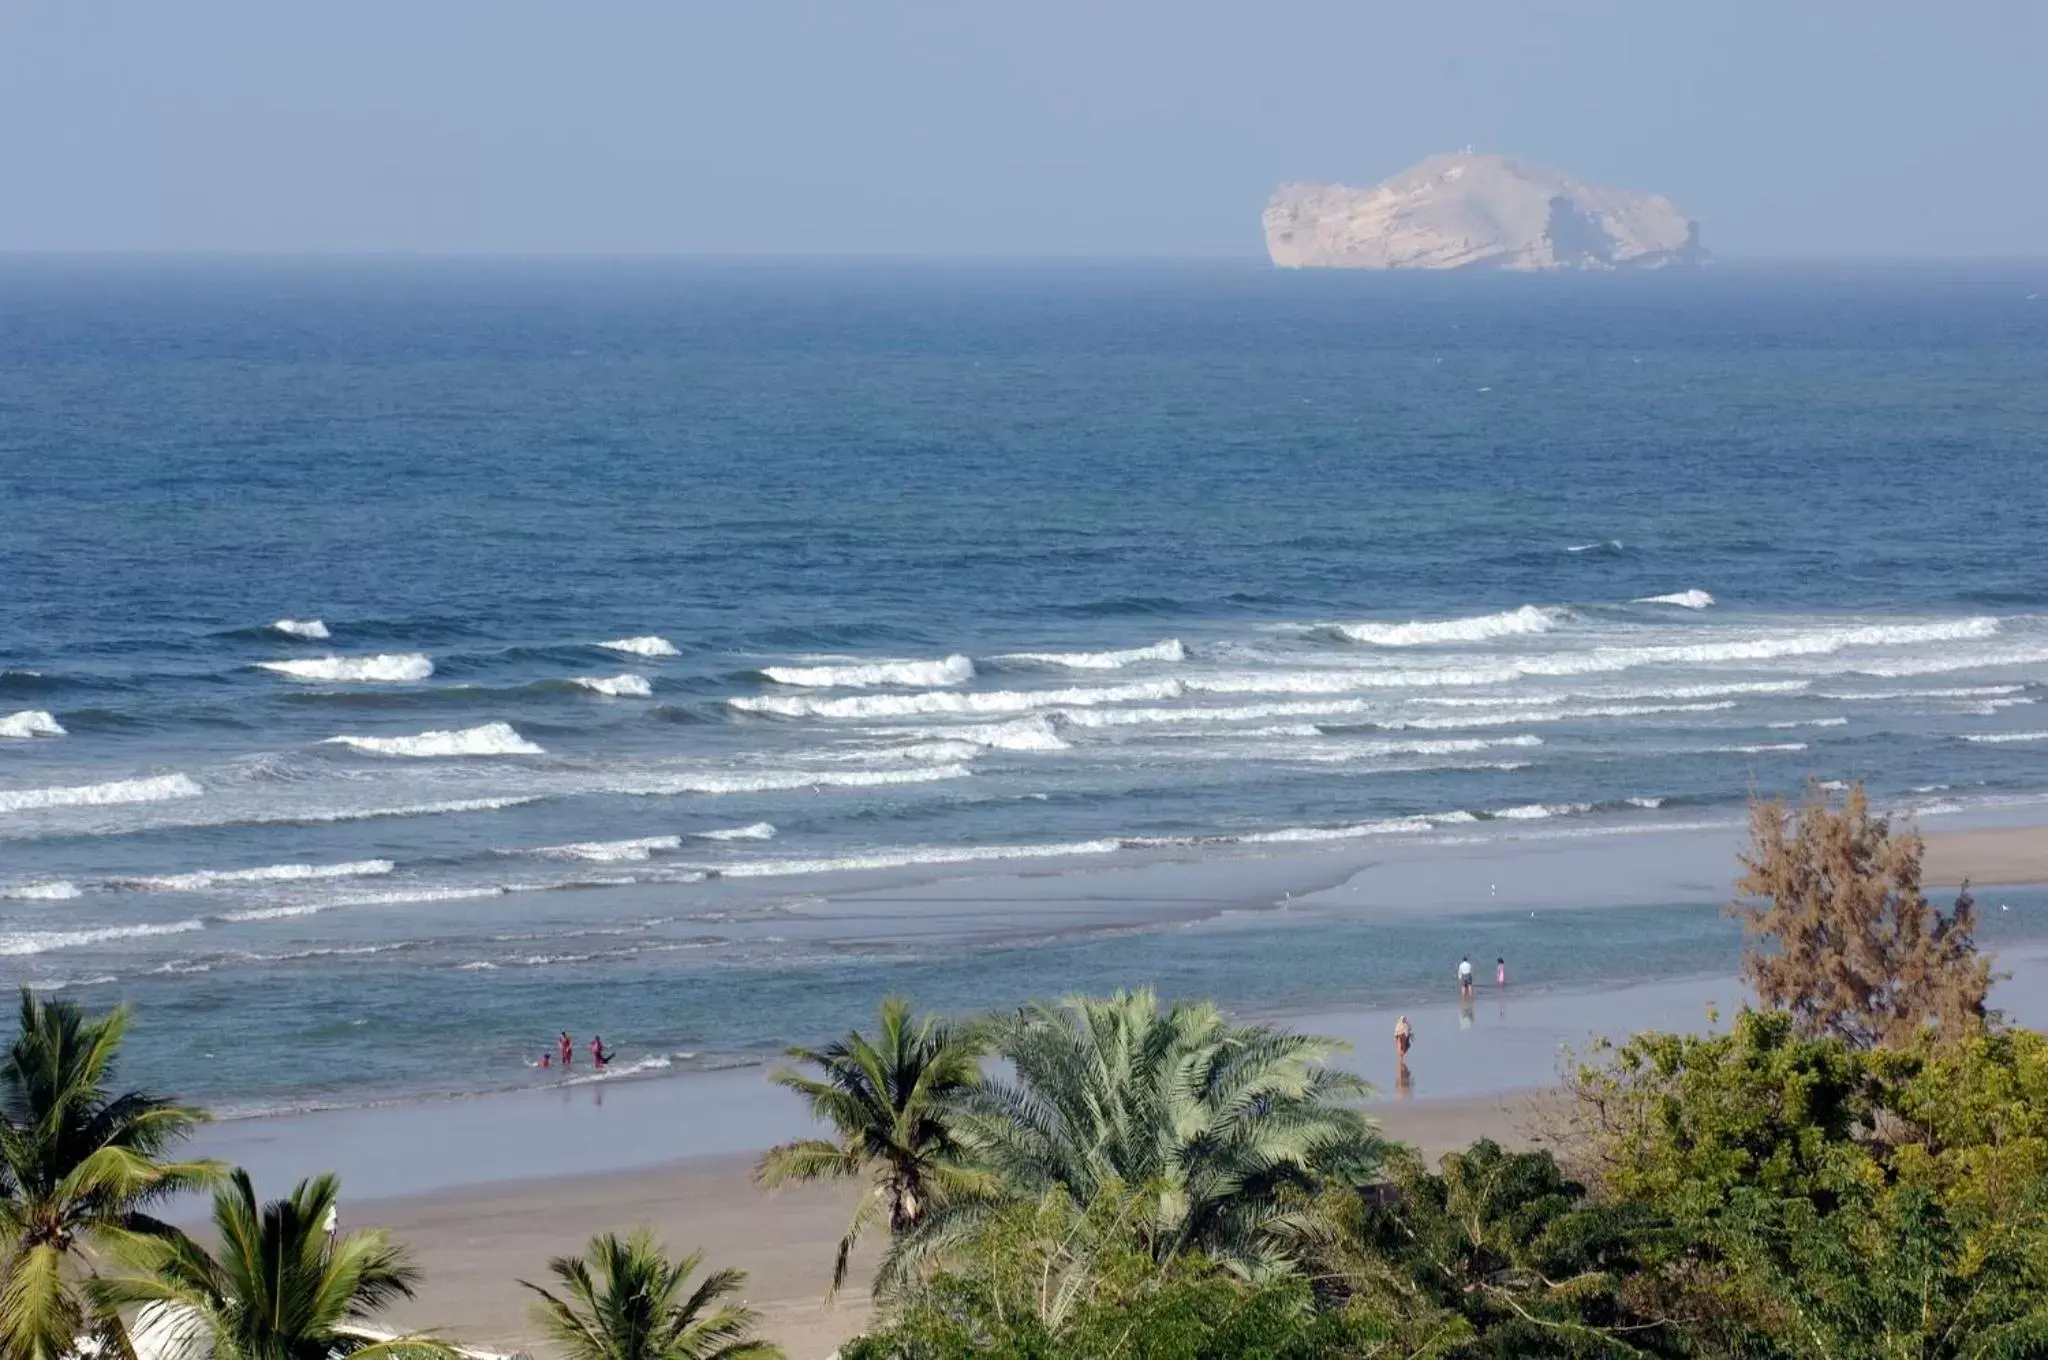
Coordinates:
[657,598]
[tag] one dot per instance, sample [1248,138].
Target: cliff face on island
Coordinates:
[1470,211]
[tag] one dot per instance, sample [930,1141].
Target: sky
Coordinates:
[1789,128]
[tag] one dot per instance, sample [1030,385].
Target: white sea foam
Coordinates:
[1644,802]
[939,701]
[1169,650]
[1684,599]
[385,669]
[753,831]
[951,670]
[155,789]
[1421,632]
[1752,749]
[905,858]
[643,847]
[1999,738]
[618,686]
[1604,545]
[1032,733]
[30,722]
[1391,827]
[642,646]
[202,879]
[392,898]
[45,890]
[311,629]
[771,781]
[1346,751]
[1533,812]
[409,810]
[43,941]
[1516,718]
[1959,692]
[1809,722]
[489,739]
[1291,708]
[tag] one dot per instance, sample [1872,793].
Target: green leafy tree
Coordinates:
[624,1299]
[890,1101]
[1053,1280]
[81,1165]
[278,1290]
[1221,1125]
[1498,1254]
[1851,945]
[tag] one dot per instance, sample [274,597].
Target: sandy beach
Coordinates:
[1991,856]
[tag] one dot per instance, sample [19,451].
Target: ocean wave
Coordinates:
[322,817]
[489,739]
[773,781]
[938,701]
[2000,738]
[753,831]
[952,670]
[1516,718]
[617,686]
[1424,632]
[1605,545]
[202,879]
[1227,713]
[640,848]
[1808,722]
[642,646]
[1954,692]
[385,668]
[1033,733]
[392,898]
[43,890]
[43,941]
[1535,812]
[913,857]
[1751,749]
[154,789]
[1684,599]
[1168,650]
[30,722]
[311,629]
[1388,827]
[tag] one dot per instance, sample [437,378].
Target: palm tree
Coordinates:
[891,1101]
[79,1166]
[626,1301]
[1214,1123]
[279,1290]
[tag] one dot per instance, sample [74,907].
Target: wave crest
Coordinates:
[489,739]
[1427,632]
[390,668]
[45,890]
[312,629]
[30,722]
[155,789]
[617,686]
[648,645]
[1168,650]
[201,879]
[991,701]
[1684,599]
[951,670]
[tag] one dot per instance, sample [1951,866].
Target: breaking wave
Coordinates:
[899,859]
[311,629]
[490,739]
[2000,738]
[1033,733]
[617,686]
[771,781]
[608,852]
[991,701]
[202,879]
[1422,633]
[1684,599]
[1533,812]
[753,831]
[642,646]
[155,789]
[30,722]
[47,890]
[43,941]
[385,669]
[1169,650]
[952,670]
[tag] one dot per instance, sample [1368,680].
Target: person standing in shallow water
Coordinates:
[1465,977]
[1500,971]
[565,1048]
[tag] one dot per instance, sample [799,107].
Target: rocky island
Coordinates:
[1467,211]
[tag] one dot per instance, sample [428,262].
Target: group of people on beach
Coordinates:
[1404,1032]
[565,1053]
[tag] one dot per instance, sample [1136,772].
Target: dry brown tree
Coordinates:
[1840,934]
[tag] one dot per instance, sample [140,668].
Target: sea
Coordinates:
[402,660]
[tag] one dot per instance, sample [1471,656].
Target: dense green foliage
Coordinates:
[277,1290]
[624,1299]
[80,1167]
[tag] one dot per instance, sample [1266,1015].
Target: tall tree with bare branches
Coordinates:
[1840,933]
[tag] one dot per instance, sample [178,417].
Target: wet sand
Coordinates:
[2004,856]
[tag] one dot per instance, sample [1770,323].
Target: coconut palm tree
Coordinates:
[80,1164]
[623,1299]
[278,1290]
[1214,1123]
[890,1102]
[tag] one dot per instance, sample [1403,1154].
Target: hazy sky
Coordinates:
[1113,127]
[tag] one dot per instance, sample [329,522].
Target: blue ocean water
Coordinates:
[403,656]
